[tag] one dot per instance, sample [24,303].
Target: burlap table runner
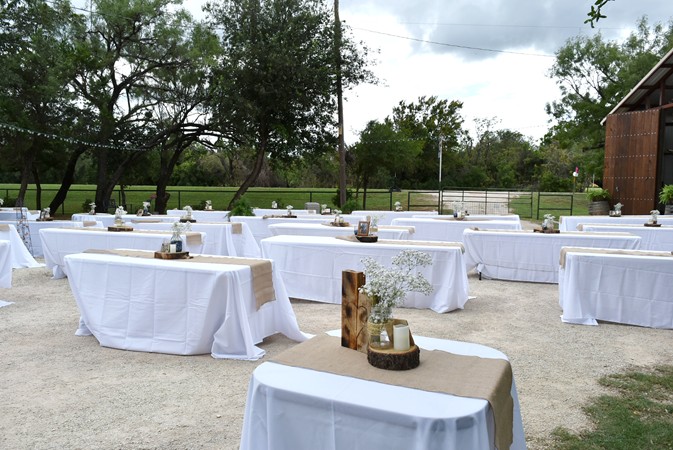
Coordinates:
[577,233]
[273,216]
[411,230]
[89,223]
[439,371]
[609,251]
[404,242]
[581,226]
[192,237]
[4,227]
[262,269]
[457,220]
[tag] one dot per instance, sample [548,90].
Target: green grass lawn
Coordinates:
[637,416]
[195,196]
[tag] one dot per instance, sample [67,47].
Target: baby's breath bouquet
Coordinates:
[387,286]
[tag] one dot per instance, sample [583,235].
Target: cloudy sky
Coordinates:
[492,55]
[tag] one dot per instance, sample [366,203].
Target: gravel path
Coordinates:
[60,391]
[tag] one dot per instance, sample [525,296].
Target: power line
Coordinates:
[467,47]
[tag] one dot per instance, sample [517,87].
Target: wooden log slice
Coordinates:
[390,359]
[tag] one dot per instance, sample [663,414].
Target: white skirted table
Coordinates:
[19,254]
[108,219]
[34,227]
[653,238]
[629,287]
[292,407]
[14,213]
[529,256]
[571,223]
[259,225]
[201,215]
[223,238]
[321,229]
[386,217]
[312,266]
[59,242]
[176,306]
[5,264]
[450,230]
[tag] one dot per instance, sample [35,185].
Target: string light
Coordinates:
[55,137]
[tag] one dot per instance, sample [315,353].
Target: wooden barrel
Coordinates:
[601,208]
[669,209]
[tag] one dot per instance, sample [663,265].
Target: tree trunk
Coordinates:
[252,177]
[165,171]
[340,106]
[38,189]
[68,179]
[26,171]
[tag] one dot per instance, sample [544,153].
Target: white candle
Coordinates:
[401,337]
[173,248]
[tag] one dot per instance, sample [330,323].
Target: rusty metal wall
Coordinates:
[631,159]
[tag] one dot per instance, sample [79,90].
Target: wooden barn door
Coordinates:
[630,168]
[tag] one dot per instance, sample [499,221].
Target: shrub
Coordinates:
[598,195]
[241,208]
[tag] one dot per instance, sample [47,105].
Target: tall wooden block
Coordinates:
[355,309]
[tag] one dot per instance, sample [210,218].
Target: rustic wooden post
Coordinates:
[354,311]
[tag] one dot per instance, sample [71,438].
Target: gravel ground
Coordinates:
[60,391]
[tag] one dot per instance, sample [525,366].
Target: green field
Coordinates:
[195,196]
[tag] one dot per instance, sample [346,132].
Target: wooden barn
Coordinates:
[639,142]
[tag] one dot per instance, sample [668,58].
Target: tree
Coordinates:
[122,62]
[429,120]
[274,90]
[35,44]
[382,152]
[595,14]
[593,75]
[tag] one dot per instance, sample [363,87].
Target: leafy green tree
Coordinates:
[383,151]
[35,44]
[593,75]
[428,120]
[122,62]
[274,90]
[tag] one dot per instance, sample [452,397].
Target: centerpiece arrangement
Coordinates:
[339,221]
[324,209]
[386,288]
[617,211]
[92,208]
[119,221]
[547,225]
[398,207]
[289,211]
[209,206]
[187,216]
[45,215]
[173,249]
[652,222]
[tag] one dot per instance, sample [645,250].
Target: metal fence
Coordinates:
[476,201]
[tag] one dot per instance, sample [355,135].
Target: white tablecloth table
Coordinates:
[296,408]
[386,217]
[201,215]
[319,229]
[570,223]
[653,238]
[259,226]
[59,242]
[278,211]
[512,217]
[13,214]
[35,226]
[108,220]
[528,256]
[177,307]
[19,254]
[432,229]
[5,264]
[628,289]
[312,266]
[220,239]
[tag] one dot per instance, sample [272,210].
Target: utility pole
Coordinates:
[340,105]
[439,186]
